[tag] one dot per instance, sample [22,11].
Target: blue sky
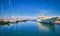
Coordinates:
[30,7]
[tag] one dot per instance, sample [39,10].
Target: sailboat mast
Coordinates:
[9,9]
[2,10]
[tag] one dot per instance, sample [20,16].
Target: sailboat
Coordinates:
[2,19]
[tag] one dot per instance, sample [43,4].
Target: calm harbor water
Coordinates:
[29,28]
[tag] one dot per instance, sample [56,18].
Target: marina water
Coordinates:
[29,28]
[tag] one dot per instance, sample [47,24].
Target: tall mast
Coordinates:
[9,9]
[2,10]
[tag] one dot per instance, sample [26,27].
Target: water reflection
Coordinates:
[46,27]
[31,28]
[41,26]
[8,23]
